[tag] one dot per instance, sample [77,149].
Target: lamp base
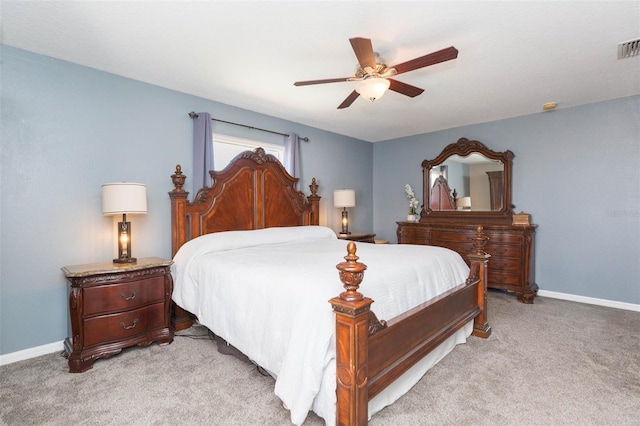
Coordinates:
[125,260]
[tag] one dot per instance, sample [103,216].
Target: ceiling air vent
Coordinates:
[629,48]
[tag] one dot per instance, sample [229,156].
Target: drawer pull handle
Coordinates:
[129,327]
[133,296]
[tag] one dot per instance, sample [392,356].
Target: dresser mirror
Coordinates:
[468,179]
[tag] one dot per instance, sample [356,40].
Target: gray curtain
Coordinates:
[292,156]
[202,151]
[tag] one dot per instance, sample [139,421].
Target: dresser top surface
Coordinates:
[74,271]
[467,225]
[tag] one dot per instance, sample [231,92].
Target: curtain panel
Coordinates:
[292,156]
[202,151]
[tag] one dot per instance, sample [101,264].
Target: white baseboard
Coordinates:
[31,353]
[590,300]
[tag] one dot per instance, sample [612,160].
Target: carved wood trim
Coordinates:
[375,325]
[255,180]
[464,147]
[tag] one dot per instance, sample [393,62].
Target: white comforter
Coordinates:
[266,292]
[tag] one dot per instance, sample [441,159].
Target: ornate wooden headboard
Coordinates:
[254,191]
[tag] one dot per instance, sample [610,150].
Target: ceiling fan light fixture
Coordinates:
[373,88]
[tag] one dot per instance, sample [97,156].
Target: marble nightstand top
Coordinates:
[75,271]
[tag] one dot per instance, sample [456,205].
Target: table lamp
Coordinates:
[464,203]
[343,198]
[124,198]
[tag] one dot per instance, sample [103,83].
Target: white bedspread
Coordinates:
[266,292]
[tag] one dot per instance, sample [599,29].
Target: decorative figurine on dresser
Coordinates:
[469,185]
[117,305]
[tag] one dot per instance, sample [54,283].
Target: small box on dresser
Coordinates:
[114,306]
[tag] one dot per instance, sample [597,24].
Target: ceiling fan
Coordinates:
[373,75]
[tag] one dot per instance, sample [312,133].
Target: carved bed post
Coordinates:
[178,210]
[479,260]
[180,319]
[314,199]
[352,313]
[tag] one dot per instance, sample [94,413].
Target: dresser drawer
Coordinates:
[506,238]
[120,326]
[118,297]
[461,248]
[453,235]
[500,278]
[413,235]
[498,250]
[504,264]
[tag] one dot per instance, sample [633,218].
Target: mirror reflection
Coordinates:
[470,183]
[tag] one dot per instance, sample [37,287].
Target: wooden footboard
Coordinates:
[371,354]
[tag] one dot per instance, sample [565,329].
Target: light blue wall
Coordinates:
[66,130]
[576,171]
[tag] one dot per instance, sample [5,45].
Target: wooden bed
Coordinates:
[255,192]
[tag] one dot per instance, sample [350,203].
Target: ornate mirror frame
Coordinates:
[463,148]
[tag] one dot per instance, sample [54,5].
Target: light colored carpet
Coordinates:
[551,363]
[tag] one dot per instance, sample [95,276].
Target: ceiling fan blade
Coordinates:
[364,52]
[404,88]
[347,102]
[328,80]
[426,60]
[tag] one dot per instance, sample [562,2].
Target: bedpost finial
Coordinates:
[313,187]
[351,252]
[178,179]
[351,274]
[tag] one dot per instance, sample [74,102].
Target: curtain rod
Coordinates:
[195,115]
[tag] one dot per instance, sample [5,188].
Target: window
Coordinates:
[225,149]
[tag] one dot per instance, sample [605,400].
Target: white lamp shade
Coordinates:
[464,202]
[124,198]
[373,88]
[344,198]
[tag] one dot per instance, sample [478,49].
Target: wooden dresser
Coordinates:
[511,266]
[466,186]
[114,306]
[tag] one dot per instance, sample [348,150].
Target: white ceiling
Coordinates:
[514,56]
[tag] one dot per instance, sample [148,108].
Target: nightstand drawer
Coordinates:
[117,297]
[115,327]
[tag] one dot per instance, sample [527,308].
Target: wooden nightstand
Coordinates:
[115,306]
[363,238]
